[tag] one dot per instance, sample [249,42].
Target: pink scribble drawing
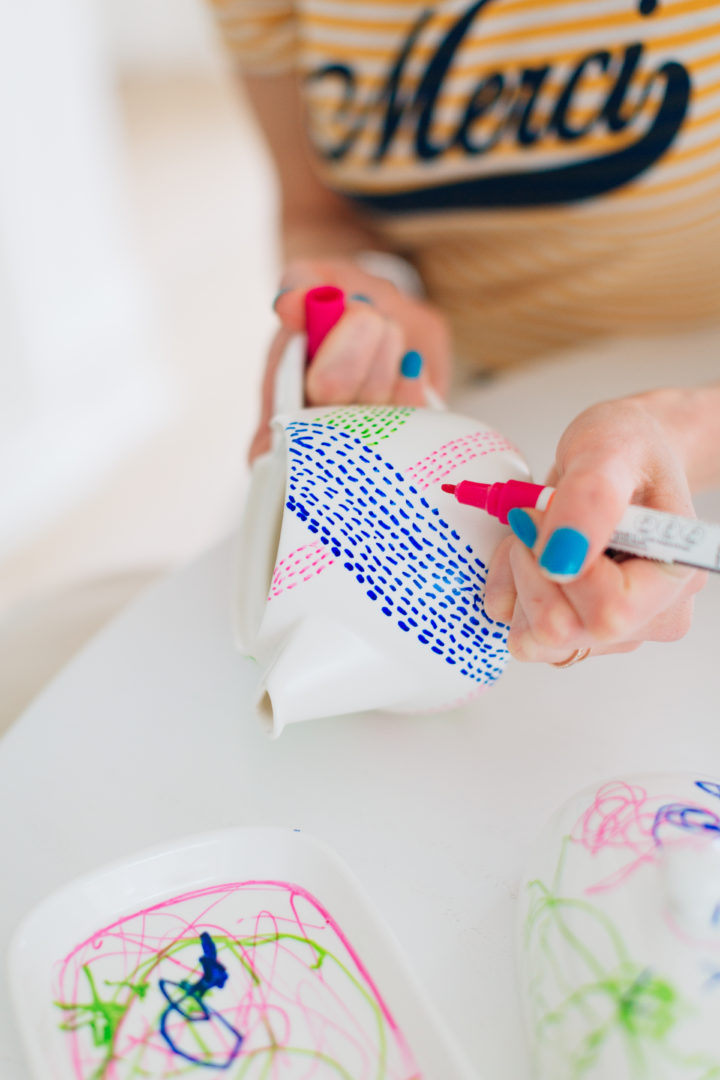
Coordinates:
[624,818]
[300,565]
[256,973]
[618,818]
[441,462]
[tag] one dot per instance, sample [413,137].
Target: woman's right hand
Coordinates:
[359,360]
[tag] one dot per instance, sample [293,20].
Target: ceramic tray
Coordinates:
[248,952]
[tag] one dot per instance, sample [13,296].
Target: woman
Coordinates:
[549,169]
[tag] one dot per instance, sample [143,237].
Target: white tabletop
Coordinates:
[147,736]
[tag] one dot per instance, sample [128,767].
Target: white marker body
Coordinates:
[668,537]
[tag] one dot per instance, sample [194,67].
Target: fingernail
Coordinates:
[361,298]
[523,526]
[565,553]
[281,293]
[411,365]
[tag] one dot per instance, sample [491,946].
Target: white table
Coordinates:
[147,736]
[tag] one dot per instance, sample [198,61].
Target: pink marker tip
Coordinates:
[450,488]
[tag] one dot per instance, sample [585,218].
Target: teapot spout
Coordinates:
[323,669]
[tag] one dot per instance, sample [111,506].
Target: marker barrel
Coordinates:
[324,306]
[498,499]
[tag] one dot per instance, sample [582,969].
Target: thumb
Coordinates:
[590,498]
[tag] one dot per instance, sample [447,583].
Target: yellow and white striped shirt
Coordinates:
[552,167]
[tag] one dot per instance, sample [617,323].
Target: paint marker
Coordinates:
[497,499]
[651,534]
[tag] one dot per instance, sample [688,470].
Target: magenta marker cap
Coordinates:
[324,306]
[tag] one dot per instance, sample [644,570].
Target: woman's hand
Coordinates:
[359,361]
[553,584]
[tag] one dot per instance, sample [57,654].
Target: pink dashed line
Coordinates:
[309,560]
[431,469]
[300,565]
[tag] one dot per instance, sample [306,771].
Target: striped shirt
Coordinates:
[552,167]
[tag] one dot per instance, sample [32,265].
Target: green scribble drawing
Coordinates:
[371,423]
[101,1017]
[104,1016]
[588,997]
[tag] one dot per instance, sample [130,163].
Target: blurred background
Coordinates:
[137,265]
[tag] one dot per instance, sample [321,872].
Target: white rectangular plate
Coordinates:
[247,953]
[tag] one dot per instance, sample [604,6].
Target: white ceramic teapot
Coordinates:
[361,584]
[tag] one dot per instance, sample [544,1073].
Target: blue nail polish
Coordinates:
[280,293]
[361,298]
[522,525]
[565,553]
[411,365]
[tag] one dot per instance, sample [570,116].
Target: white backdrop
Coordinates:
[82,375]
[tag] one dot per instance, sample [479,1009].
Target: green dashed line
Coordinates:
[371,424]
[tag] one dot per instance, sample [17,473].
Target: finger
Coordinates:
[410,385]
[523,647]
[301,276]
[500,592]
[615,600]
[378,385]
[289,302]
[588,503]
[343,361]
[547,626]
[672,624]
[613,603]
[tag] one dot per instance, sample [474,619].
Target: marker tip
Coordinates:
[450,488]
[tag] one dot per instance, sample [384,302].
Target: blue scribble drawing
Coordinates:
[690,818]
[709,786]
[191,1007]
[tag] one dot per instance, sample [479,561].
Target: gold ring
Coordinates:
[574,658]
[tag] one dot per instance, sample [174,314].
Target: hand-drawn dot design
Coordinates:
[300,565]
[410,563]
[371,424]
[440,462]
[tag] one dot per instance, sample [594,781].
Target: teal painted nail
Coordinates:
[522,525]
[565,553]
[411,365]
[281,293]
[361,298]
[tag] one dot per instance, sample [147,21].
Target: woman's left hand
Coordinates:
[552,581]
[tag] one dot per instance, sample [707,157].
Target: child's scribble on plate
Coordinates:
[252,979]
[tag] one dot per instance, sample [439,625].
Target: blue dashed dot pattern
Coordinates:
[407,560]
